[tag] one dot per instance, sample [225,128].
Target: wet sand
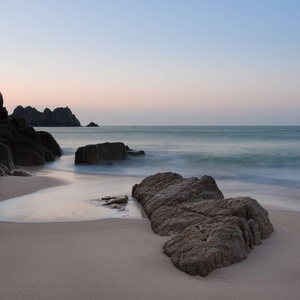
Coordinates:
[123,259]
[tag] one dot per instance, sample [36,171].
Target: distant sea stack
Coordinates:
[92,124]
[59,117]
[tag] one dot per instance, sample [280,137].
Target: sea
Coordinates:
[262,162]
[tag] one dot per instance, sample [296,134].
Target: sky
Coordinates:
[154,62]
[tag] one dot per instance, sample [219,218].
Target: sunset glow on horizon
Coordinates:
[154,62]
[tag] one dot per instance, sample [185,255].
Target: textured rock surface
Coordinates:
[103,152]
[24,143]
[61,116]
[209,244]
[171,189]
[115,200]
[207,231]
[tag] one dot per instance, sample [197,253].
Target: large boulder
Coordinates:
[171,189]
[27,148]
[98,153]
[173,219]
[207,231]
[209,244]
[49,142]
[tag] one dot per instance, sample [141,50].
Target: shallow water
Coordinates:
[260,162]
[78,201]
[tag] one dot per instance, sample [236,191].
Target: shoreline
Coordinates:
[123,259]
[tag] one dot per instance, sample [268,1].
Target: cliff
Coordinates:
[61,116]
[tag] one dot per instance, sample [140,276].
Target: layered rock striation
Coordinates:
[61,116]
[207,231]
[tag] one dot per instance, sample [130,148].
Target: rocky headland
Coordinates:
[61,116]
[206,231]
[21,145]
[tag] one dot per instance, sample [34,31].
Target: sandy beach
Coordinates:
[123,259]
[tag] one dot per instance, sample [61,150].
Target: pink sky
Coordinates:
[155,63]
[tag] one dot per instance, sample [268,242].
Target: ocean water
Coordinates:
[258,161]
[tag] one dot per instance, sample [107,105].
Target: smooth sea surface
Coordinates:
[262,162]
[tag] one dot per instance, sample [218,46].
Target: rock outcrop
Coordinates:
[23,144]
[172,189]
[207,231]
[61,116]
[92,124]
[99,153]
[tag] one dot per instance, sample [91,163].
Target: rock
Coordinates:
[94,154]
[171,189]
[115,200]
[210,244]
[135,153]
[92,124]
[4,171]
[173,219]
[207,231]
[27,147]
[88,154]
[5,156]
[61,116]
[20,173]
[49,142]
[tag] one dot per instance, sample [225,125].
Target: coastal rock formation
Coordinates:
[103,152]
[172,189]
[92,124]
[5,157]
[25,145]
[115,200]
[49,142]
[61,116]
[207,231]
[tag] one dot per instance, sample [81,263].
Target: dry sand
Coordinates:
[123,259]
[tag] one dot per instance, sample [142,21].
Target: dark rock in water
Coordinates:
[94,154]
[5,156]
[171,189]
[92,124]
[61,116]
[88,154]
[207,231]
[27,147]
[49,142]
[135,153]
[115,200]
